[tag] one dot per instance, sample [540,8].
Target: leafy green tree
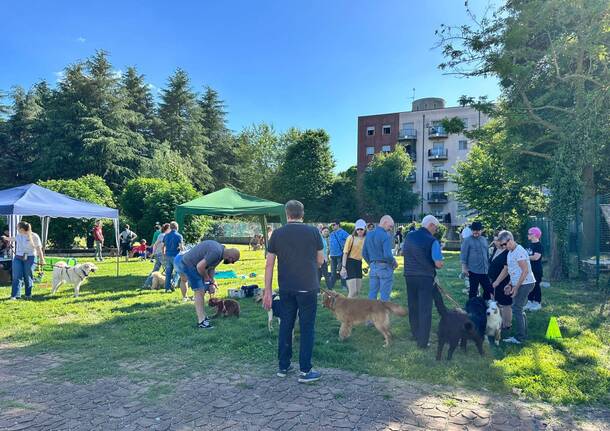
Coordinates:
[342,203]
[262,151]
[306,172]
[140,107]
[224,154]
[387,189]
[552,59]
[167,164]
[90,188]
[500,192]
[180,126]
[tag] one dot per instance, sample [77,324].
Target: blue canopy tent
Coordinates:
[33,200]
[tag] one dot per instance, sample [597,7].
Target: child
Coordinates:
[141,250]
[535,252]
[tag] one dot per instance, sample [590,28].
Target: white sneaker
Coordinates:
[535,306]
[185,299]
[512,340]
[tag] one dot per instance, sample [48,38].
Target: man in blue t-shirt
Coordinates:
[336,242]
[299,251]
[172,245]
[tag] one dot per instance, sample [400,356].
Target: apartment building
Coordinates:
[434,151]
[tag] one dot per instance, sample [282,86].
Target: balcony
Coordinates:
[437,197]
[438,154]
[412,177]
[439,176]
[437,132]
[407,134]
[442,217]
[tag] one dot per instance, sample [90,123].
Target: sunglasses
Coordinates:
[503,244]
[360,228]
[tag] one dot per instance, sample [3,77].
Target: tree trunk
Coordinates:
[588,242]
[557,269]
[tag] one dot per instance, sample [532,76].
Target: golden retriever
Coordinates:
[158,281]
[351,311]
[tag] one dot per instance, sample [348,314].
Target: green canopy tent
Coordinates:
[230,202]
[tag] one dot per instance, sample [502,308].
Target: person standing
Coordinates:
[498,275]
[126,238]
[535,252]
[298,249]
[27,247]
[351,264]
[521,284]
[377,252]
[422,257]
[198,265]
[325,232]
[173,243]
[474,255]
[158,231]
[398,238]
[336,240]
[157,253]
[98,240]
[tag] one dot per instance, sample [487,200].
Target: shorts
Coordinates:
[353,268]
[195,280]
[125,248]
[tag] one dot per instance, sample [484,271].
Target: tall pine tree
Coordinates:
[180,125]
[223,148]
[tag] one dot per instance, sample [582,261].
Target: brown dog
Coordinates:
[158,281]
[351,311]
[224,307]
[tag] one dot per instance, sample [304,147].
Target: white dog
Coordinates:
[62,273]
[494,321]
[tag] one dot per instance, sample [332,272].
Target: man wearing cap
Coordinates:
[474,255]
[422,257]
[377,252]
[336,241]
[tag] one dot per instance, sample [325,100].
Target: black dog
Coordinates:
[455,327]
[477,312]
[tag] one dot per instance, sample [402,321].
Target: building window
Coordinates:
[463,145]
[370,151]
[387,130]
[465,121]
[386,149]
[438,187]
[370,131]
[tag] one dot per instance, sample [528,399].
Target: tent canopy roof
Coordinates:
[230,202]
[33,200]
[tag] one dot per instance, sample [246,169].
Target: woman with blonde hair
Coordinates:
[28,246]
[352,259]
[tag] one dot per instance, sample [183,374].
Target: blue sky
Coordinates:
[309,64]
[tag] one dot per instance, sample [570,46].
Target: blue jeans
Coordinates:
[169,270]
[305,304]
[22,269]
[381,278]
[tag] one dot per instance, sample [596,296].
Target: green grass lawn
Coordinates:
[114,329]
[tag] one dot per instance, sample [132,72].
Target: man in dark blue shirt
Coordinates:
[422,257]
[172,245]
[377,252]
[299,251]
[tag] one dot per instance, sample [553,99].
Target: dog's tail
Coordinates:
[438,300]
[395,308]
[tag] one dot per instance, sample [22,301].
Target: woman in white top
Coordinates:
[521,283]
[27,246]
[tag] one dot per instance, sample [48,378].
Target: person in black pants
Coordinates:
[535,252]
[422,257]
[299,251]
[475,261]
[498,274]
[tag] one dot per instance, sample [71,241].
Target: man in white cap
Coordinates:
[422,257]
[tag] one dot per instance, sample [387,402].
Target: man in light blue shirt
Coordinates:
[336,241]
[377,252]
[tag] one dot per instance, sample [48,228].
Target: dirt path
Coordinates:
[219,400]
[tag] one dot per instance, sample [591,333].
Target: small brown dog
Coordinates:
[158,281]
[224,307]
[351,311]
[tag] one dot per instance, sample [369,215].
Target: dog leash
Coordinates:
[447,295]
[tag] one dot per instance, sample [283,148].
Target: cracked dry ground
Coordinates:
[218,399]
